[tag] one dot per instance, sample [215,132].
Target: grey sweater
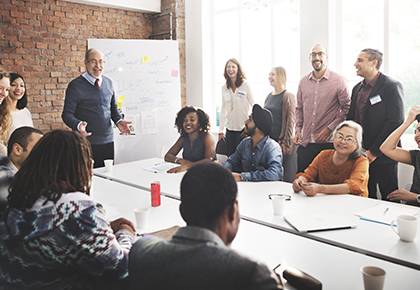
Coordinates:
[96,106]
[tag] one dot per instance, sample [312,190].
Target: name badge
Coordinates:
[241,95]
[375,99]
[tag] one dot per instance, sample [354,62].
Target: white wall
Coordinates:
[145,6]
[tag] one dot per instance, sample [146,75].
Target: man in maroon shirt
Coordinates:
[377,105]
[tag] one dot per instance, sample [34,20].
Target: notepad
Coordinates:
[161,167]
[385,213]
[305,223]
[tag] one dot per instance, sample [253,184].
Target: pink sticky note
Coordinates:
[174,73]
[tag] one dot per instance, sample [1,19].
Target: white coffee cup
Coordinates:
[373,278]
[407,227]
[108,165]
[142,217]
[278,203]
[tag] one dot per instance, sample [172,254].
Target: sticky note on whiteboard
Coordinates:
[118,105]
[174,73]
[121,99]
[145,59]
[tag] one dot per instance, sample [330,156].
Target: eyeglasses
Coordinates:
[320,54]
[347,140]
[288,197]
[95,62]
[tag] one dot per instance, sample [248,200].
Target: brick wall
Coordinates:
[45,41]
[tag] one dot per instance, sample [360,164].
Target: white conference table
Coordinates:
[368,238]
[336,268]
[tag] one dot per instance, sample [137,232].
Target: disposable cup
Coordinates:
[142,217]
[278,204]
[373,278]
[108,165]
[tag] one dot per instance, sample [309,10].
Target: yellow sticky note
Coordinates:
[120,99]
[145,59]
[118,105]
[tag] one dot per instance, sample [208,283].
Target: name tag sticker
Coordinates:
[241,95]
[375,99]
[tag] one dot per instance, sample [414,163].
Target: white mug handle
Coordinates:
[393,228]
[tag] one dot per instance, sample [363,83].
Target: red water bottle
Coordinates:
[155,191]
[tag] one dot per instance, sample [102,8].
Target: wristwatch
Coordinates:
[418,198]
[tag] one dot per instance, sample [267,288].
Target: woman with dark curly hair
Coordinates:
[19,99]
[5,117]
[193,126]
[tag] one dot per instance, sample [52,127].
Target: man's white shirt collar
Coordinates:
[91,79]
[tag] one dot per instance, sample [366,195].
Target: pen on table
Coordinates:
[386,210]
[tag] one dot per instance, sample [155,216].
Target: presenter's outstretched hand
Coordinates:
[123,127]
[82,129]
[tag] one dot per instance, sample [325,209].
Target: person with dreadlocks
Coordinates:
[53,235]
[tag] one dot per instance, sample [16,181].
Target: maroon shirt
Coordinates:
[362,98]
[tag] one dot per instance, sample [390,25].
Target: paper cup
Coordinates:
[278,204]
[142,217]
[373,278]
[406,226]
[108,165]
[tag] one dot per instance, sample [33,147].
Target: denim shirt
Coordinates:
[260,163]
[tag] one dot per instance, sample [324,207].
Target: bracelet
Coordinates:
[176,160]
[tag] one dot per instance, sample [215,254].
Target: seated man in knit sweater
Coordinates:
[90,106]
[20,144]
[197,257]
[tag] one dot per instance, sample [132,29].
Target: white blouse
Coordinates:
[235,107]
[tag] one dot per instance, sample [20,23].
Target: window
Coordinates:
[260,35]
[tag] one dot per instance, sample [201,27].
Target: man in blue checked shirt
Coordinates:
[257,157]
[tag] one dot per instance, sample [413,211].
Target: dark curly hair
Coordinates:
[22,103]
[203,119]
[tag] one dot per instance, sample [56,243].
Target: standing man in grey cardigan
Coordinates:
[197,257]
[90,106]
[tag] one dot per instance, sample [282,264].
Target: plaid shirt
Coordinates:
[7,171]
[321,103]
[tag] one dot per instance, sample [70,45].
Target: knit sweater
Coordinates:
[61,245]
[96,106]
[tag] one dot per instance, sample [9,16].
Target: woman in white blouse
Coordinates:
[237,100]
[20,114]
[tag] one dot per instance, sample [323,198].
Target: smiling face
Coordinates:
[17,89]
[191,124]
[95,63]
[231,70]
[318,58]
[4,88]
[345,141]
[417,134]
[272,78]
[365,67]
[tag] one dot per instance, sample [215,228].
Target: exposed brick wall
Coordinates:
[45,41]
[161,25]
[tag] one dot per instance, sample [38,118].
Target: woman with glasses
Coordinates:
[281,104]
[53,235]
[341,170]
[410,157]
[19,99]
[237,100]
